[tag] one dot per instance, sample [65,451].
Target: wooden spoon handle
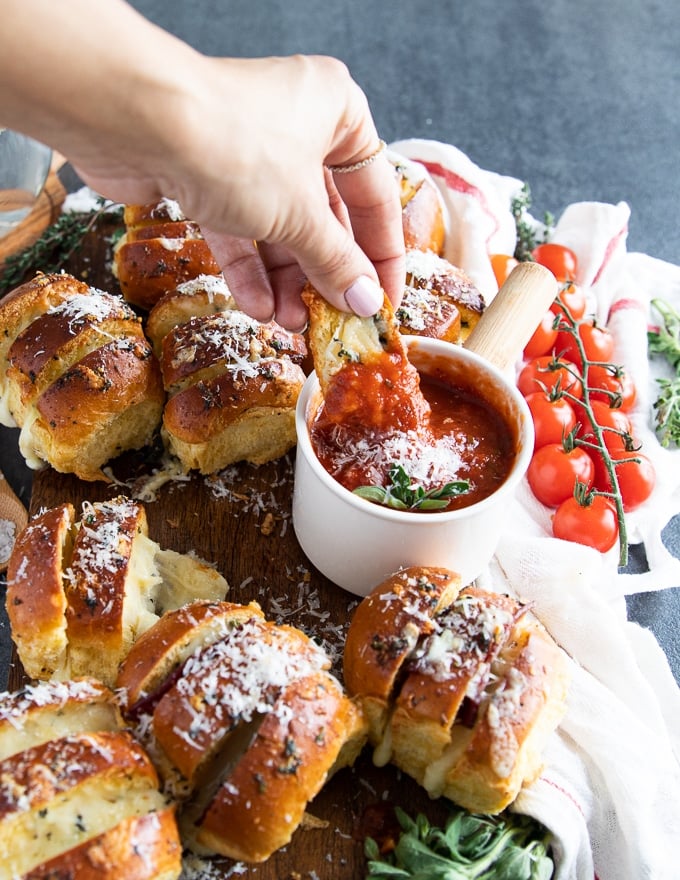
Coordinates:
[512,316]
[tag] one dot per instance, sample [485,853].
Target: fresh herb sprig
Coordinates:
[468,847]
[403,494]
[527,237]
[51,251]
[665,341]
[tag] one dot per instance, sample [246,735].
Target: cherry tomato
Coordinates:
[548,372]
[614,423]
[572,299]
[636,478]
[502,265]
[597,342]
[553,472]
[594,524]
[543,337]
[553,418]
[613,385]
[561,260]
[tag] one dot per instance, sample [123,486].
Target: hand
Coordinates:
[242,145]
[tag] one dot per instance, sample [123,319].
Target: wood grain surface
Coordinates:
[240,520]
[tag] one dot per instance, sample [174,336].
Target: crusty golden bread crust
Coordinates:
[233,384]
[36,603]
[138,848]
[467,704]
[427,272]
[159,250]
[421,206]
[91,587]
[163,649]
[236,703]
[64,794]
[78,375]
[109,402]
[48,347]
[204,295]
[257,810]
[19,308]
[385,630]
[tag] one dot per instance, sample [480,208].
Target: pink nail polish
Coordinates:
[364,296]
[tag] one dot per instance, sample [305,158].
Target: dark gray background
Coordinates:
[581,99]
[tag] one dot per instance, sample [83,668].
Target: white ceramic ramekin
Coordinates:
[357,544]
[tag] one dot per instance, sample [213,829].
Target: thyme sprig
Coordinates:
[403,494]
[469,847]
[665,341]
[527,233]
[52,250]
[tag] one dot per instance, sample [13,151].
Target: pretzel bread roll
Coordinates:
[65,793]
[201,296]
[261,804]
[19,308]
[36,602]
[431,278]
[51,710]
[159,250]
[139,848]
[233,384]
[385,630]
[422,208]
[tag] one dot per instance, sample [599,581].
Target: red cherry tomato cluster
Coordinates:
[576,438]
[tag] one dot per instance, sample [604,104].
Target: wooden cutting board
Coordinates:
[240,520]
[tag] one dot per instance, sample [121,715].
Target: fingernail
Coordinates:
[364,296]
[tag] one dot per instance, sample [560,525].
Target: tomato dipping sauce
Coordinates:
[462,436]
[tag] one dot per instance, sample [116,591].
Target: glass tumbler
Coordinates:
[24,166]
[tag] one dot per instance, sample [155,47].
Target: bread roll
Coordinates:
[363,370]
[462,694]
[159,250]
[244,720]
[233,384]
[423,213]
[77,803]
[204,295]
[79,593]
[54,709]
[78,375]
[434,287]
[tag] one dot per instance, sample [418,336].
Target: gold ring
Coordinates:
[363,163]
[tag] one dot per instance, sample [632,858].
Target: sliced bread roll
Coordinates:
[160,249]
[239,707]
[232,387]
[467,704]
[91,587]
[78,375]
[62,803]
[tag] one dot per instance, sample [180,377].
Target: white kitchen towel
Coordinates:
[610,791]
